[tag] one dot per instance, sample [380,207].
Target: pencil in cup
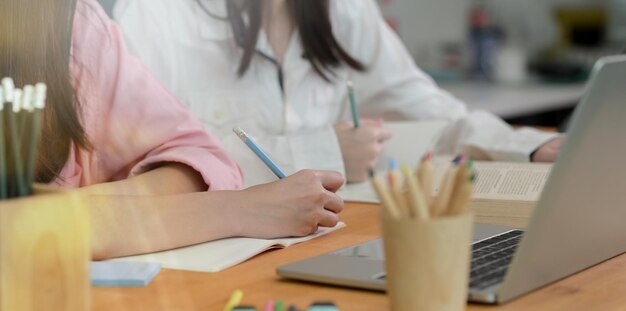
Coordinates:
[259,152]
[446,192]
[3,153]
[21,114]
[425,173]
[463,188]
[417,201]
[14,163]
[406,198]
[386,199]
[398,189]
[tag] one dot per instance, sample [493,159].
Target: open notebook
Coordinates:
[221,254]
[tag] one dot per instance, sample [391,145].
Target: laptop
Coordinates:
[579,221]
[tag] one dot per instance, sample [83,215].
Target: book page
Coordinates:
[221,254]
[510,181]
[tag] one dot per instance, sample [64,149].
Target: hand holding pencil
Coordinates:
[361,147]
[361,141]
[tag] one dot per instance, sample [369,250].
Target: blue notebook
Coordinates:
[107,273]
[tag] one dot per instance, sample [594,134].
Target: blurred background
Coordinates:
[524,60]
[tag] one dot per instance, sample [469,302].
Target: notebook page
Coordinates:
[409,142]
[221,254]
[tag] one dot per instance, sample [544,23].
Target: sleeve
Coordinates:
[393,87]
[138,124]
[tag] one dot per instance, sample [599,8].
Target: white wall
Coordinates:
[424,25]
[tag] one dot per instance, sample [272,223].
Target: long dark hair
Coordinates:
[312,18]
[35,41]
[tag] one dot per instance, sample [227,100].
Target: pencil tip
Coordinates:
[428,156]
[370,173]
[393,165]
[458,159]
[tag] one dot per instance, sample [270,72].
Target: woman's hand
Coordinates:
[361,147]
[548,151]
[293,206]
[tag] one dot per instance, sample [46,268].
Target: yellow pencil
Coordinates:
[417,202]
[234,300]
[385,197]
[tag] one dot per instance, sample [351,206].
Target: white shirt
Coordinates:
[197,57]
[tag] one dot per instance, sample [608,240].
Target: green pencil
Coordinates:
[352,98]
[15,142]
[3,161]
[26,105]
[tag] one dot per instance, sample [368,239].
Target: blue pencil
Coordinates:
[352,98]
[259,152]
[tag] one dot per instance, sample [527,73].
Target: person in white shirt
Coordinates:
[278,69]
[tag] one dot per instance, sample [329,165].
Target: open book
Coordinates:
[507,193]
[221,254]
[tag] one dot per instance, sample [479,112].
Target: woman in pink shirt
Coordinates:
[144,161]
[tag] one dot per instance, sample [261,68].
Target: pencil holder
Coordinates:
[44,253]
[427,262]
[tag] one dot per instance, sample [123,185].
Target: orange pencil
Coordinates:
[398,191]
[417,202]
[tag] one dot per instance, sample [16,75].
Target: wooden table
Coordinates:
[602,287]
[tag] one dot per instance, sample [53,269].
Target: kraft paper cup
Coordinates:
[427,262]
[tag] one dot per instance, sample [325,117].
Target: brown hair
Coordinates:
[312,18]
[35,41]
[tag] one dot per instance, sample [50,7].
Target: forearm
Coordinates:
[486,137]
[125,225]
[153,211]
[130,225]
[169,178]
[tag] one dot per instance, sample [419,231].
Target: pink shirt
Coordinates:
[132,121]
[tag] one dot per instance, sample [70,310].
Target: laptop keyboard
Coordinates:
[491,259]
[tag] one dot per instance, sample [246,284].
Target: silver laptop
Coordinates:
[580,219]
